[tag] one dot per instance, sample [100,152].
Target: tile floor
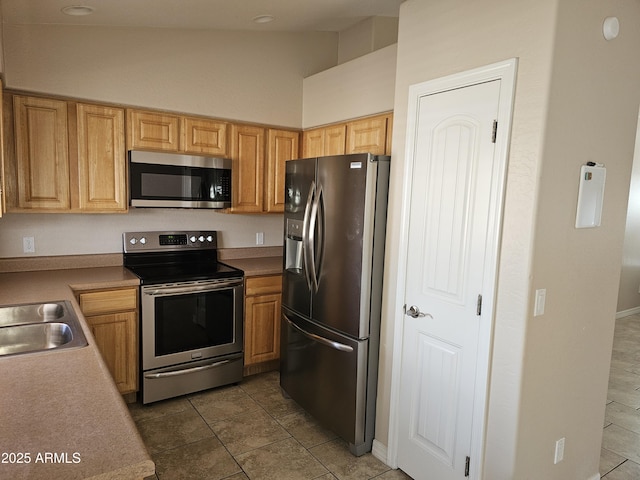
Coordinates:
[247,431]
[620,457]
[250,431]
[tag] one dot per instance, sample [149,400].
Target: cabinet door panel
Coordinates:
[282,145]
[108,301]
[313,143]
[202,136]
[248,168]
[116,338]
[42,156]
[263,284]
[101,158]
[262,328]
[334,140]
[149,130]
[368,135]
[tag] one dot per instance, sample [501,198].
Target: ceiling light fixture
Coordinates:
[77,10]
[264,18]
[610,28]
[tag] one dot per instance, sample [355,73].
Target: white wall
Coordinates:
[442,37]
[593,111]
[77,234]
[367,36]
[628,294]
[577,100]
[361,87]
[247,76]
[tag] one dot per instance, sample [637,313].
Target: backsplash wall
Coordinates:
[79,234]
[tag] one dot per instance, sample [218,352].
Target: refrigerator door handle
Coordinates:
[324,341]
[316,239]
[307,254]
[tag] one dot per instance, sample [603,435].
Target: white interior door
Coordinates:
[453,193]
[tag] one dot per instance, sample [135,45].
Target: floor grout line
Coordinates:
[625,342]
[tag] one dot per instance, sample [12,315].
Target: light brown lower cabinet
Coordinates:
[112,316]
[263,299]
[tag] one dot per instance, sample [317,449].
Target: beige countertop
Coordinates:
[62,407]
[257,266]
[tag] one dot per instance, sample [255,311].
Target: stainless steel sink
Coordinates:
[31,313]
[39,327]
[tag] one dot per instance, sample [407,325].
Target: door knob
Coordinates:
[415,312]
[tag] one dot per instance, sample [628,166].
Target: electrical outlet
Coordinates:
[28,245]
[260,238]
[559,451]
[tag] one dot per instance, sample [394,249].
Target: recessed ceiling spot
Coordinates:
[77,10]
[264,19]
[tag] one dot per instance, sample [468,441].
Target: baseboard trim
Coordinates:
[626,313]
[379,451]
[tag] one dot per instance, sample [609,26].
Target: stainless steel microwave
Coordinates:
[178,181]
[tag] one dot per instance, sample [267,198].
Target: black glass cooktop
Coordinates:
[175,256]
[167,268]
[150,274]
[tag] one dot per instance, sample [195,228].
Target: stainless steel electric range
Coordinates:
[191,310]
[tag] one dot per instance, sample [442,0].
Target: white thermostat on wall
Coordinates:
[590,195]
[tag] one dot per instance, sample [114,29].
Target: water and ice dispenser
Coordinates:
[293,246]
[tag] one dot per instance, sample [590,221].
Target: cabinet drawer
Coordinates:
[261,285]
[108,301]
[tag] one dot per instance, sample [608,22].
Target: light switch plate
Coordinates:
[539,301]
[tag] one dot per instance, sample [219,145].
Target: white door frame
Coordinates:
[505,72]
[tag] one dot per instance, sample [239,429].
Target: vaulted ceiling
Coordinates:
[289,15]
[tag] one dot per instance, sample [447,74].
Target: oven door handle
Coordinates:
[159,291]
[153,376]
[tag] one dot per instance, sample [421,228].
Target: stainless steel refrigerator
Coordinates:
[334,222]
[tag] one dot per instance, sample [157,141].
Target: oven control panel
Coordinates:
[168,241]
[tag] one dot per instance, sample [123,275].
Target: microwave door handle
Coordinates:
[306,252]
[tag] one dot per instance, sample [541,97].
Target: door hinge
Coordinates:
[495,131]
[466,466]
[479,306]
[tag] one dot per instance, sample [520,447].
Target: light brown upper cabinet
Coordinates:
[282,145]
[370,134]
[41,155]
[367,135]
[259,158]
[101,159]
[176,133]
[247,154]
[313,143]
[66,156]
[151,130]
[203,136]
[324,141]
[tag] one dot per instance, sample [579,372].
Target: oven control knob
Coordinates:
[143,240]
[193,239]
[209,238]
[133,241]
[201,238]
